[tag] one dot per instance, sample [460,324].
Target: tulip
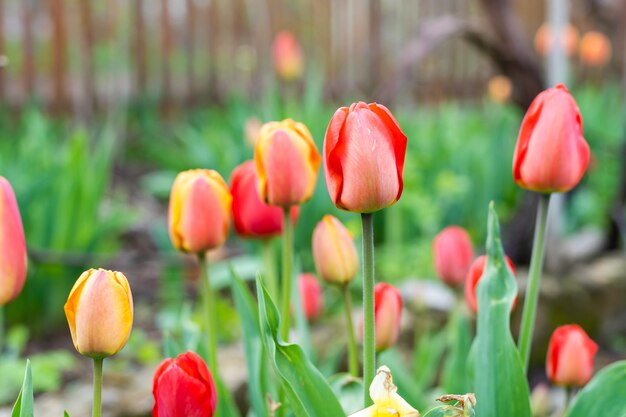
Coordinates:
[334,251]
[500,88]
[12,245]
[184,387]
[387,401]
[551,154]
[252,217]
[288,57]
[387,314]
[364,150]
[595,49]
[199,211]
[474,275]
[99,311]
[287,162]
[311,296]
[570,356]
[453,254]
[546,39]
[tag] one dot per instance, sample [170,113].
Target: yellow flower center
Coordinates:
[386,409]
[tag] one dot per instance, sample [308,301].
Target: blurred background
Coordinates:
[104,101]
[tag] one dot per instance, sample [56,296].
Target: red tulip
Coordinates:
[199,211]
[364,152]
[387,315]
[311,295]
[252,217]
[570,356]
[453,254]
[551,154]
[287,162]
[13,257]
[474,275]
[334,251]
[183,387]
[288,56]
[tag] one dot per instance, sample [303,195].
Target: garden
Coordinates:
[316,209]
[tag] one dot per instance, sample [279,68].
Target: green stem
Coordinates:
[270,279]
[534,281]
[369,346]
[210,314]
[287,278]
[569,397]
[1,330]
[97,387]
[353,361]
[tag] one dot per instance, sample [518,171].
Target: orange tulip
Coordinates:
[551,154]
[452,253]
[595,49]
[288,56]
[13,258]
[570,356]
[546,39]
[311,295]
[364,152]
[334,251]
[99,311]
[199,212]
[252,217]
[287,162]
[474,275]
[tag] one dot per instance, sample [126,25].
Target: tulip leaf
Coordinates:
[253,345]
[24,406]
[604,395]
[308,393]
[66,414]
[500,381]
[455,378]
[226,406]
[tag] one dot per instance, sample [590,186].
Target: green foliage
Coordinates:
[604,395]
[455,379]
[308,393]
[500,382]
[24,406]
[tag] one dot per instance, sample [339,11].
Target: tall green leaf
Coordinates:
[24,406]
[604,395]
[501,386]
[253,346]
[308,393]
[455,378]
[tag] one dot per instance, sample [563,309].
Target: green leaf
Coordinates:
[226,406]
[501,386]
[407,381]
[253,345]
[308,393]
[24,406]
[455,379]
[604,395]
[66,414]
[349,391]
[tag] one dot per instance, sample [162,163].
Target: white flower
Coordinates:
[387,402]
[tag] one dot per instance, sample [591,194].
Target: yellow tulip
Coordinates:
[387,402]
[99,311]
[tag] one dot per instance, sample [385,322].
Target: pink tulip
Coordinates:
[334,251]
[453,254]
[311,295]
[364,152]
[387,315]
[288,56]
[13,258]
[570,356]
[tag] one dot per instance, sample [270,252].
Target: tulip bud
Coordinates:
[387,315]
[199,212]
[334,251]
[311,296]
[551,154]
[474,275]
[13,257]
[252,217]
[595,49]
[364,152]
[453,253]
[99,311]
[184,387]
[570,356]
[287,162]
[288,57]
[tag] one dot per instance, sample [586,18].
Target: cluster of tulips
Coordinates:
[363,155]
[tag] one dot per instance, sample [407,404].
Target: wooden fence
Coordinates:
[83,54]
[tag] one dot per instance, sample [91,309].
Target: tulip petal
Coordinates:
[12,245]
[332,150]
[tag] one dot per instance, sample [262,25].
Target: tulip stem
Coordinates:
[287,278]
[353,360]
[271,279]
[369,347]
[1,330]
[97,387]
[210,314]
[569,396]
[534,281]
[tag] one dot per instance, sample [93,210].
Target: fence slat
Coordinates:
[190,48]
[58,40]
[2,53]
[28,57]
[166,48]
[139,48]
[87,36]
